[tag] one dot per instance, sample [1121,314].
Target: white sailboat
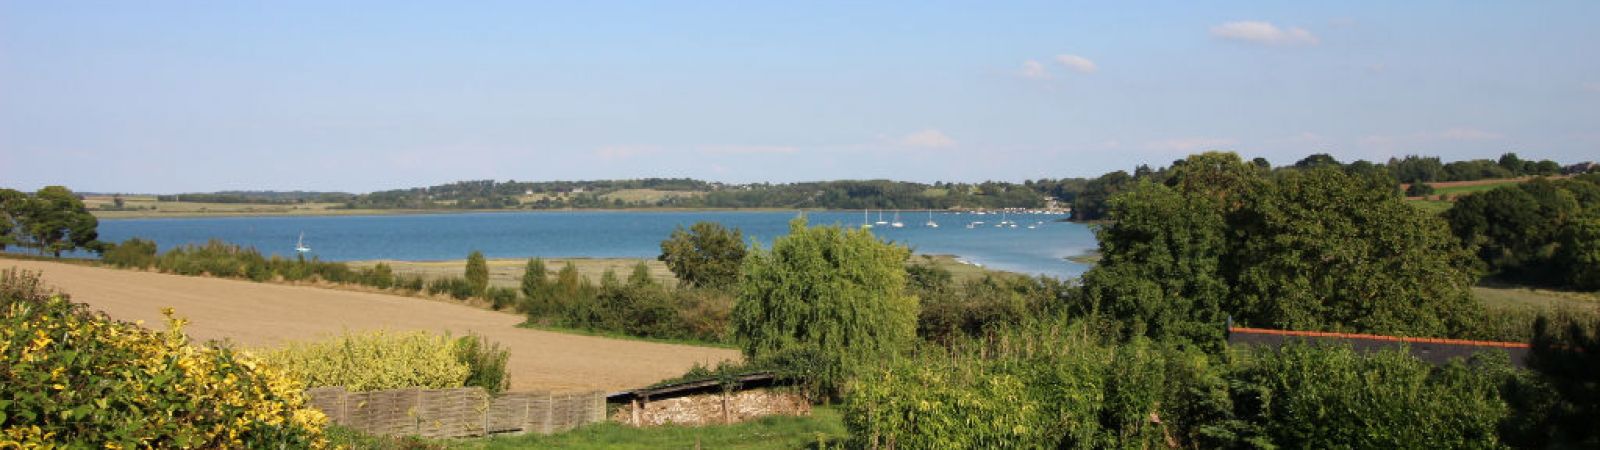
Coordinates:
[880,218]
[931,223]
[897,223]
[300,245]
[864,219]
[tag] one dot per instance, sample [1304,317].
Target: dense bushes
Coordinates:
[1064,387]
[132,253]
[377,360]
[1540,232]
[485,361]
[639,306]
[1315,249]
[72,378]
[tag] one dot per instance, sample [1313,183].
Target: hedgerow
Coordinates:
[76,379]
[374,360]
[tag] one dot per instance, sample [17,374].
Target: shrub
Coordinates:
[72,378]
[134,253]
[707,255]
[486,362]
[1419,190]
[501,297]
[477,274]
[374,360]
[456,287]
[835,294]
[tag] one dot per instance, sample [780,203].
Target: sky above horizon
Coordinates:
[160,97]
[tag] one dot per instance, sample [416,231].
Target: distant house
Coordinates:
[1581,168]
[1436,351]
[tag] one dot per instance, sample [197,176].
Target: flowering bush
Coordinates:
[70,376]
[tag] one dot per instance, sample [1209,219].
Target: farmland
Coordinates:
[257,314]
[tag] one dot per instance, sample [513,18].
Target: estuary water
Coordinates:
[611,234]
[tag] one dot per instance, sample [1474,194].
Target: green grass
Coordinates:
[1506,296]
[1455,190]
[777,432]
[629,337]
[1434,207]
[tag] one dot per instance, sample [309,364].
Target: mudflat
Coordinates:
[261,314]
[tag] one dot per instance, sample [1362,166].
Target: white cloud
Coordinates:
[1077,63]
[1033,70]
[1467,134]
[1189,144]
[747,149]
[929,138]
[1592,87]
[1264,33]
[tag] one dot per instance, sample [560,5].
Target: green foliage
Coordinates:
[501,297]
[375,360]
[1563,405]
[477,274]
[1052,386]
[1419,190]
[979,306]
[1539,232]
[76,379]
[455,287]
[1304,249]
[53,220]
[485,361]
[1579,253]
[132,253]
[707,255]
[836,296]
[537,292]
[766,433]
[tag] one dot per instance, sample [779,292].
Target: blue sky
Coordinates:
[362,96]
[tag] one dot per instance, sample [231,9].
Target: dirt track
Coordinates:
[258,314]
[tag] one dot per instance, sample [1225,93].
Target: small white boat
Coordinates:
[897,223]
[864,219]
[300,245]
[931,223]
[880,218]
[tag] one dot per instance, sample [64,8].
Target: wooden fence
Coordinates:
[459,412]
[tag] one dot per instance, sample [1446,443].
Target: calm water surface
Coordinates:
[607,234]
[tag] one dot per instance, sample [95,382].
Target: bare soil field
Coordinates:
[260,314]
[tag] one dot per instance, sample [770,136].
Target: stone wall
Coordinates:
[713,408]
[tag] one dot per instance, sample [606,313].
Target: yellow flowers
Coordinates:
[73,378]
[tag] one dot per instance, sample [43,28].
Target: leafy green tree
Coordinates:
[56,221]
[706,255]
[535,287]
[830,297]
[1305,249]
[12,205]
[1579,253]
[1515,228]
[477,273]
[1568,360]
[1316,160]
[1419,190]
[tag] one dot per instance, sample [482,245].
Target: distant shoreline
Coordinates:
[125,215]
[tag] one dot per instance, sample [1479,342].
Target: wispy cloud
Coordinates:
[1190,144]
[1264,33]
[1077,63]
[747,149]
[929,138]
[1593,86]
[1458,134]
[1033,70]
[621,152]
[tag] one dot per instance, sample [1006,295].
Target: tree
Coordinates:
[830,297]
[12,205]
[1305,249]
[477,273]
[707,255]
[56,221]
[1419,190]
[1579,253]
[1316,160]
[535,282]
